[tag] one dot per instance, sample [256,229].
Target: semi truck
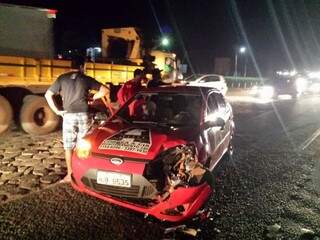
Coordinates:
[28,68]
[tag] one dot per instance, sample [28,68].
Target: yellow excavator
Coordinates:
[130,41]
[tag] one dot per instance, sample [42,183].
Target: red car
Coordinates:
[156,153]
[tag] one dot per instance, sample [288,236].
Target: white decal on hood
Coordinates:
[130,140]
[135,132]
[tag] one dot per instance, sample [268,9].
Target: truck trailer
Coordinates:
[28,68]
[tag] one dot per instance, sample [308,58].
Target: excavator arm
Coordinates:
[128,34]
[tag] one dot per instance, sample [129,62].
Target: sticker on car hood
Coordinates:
[130,140]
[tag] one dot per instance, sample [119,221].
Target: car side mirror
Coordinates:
[219,122]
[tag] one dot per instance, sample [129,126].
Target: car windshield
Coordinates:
[283,80]
[162,109]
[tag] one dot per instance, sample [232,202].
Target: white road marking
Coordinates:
[307,142]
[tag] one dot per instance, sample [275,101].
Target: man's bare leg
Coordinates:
[68,155]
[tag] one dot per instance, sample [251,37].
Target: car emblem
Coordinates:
[116,161]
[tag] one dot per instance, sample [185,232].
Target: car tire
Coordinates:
[36,117]
[6,114]
[29,98]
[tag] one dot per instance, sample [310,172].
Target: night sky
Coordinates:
[280,34]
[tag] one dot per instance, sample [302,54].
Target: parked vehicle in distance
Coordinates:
[281,85]
[208,80]
[156,153]
[313,83]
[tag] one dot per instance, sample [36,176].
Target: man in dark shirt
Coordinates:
[156,79]
[74,88]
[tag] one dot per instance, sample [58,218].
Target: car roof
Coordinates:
[209,74]
[197,76]
[181,89]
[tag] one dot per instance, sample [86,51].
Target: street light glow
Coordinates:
[165,41]
[98,49]
[242,49]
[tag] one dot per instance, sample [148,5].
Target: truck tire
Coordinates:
[29,98]
[6,114]
[36,117]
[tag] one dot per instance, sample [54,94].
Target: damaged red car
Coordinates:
[156,154]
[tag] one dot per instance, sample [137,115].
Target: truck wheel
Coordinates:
[29,98]
[36,117]
[5,114]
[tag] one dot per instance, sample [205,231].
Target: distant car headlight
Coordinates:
[254,90]
[83,149]
[315,87]
[266,92]
[301,84]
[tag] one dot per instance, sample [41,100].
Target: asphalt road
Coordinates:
[270,190]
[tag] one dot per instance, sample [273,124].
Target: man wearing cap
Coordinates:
[156,79]
[74,87]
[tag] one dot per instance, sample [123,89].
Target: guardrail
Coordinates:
[243,82]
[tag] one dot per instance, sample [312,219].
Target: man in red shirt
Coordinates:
[130,88]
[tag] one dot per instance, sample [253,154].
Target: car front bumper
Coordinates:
[187,199]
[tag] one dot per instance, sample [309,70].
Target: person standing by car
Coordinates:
[156,80]
[170,70]
[74,88]
[130,88]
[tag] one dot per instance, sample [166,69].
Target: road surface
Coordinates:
[270,190]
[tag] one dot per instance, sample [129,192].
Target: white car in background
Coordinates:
[208,80]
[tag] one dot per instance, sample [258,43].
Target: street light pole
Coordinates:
[245,66]
[241,50]
[236,65]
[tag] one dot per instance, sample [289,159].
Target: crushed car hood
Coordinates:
[142,142]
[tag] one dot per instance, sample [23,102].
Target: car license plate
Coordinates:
[114,179]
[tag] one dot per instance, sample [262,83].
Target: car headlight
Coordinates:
[83,149]
[315,87]
[266,92]
[254,90]
[301,84]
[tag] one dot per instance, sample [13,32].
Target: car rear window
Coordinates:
[210,79]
